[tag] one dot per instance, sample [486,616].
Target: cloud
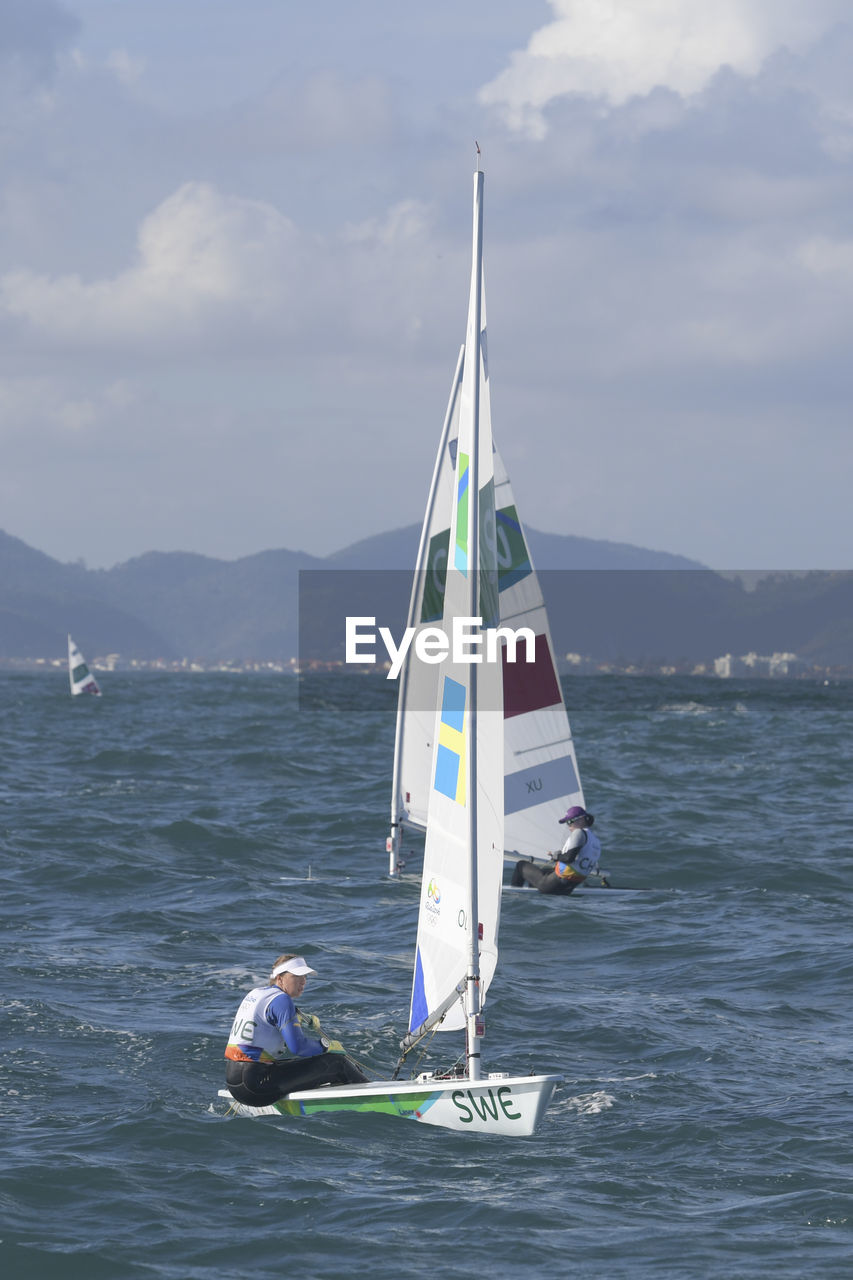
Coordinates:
[126,69]
[262,228]
[614,50]
[823,256]
[33,33]
[200,255]
[51,409]
[226,272]
[321,110]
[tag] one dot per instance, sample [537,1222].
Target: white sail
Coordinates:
[463,856]
[79,675]
[417,695]
[541,777]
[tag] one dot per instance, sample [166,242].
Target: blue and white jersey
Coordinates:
[266,1029]
[580,854]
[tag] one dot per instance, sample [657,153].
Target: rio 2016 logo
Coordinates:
[433,900]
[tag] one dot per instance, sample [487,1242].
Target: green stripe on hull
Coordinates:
[410,1106]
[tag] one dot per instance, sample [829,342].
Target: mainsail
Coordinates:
[79,675]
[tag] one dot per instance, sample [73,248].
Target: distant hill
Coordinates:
[398,550]
[215,609]
[609,601]
[165,605]
[41,600]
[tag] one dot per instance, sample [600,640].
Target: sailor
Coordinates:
[577,859]
[269,1053]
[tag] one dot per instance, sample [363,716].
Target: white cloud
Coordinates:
[127,69]
[224,271]
[405,222]
[824,256]
[613,50]
[200,254]
[32,33]
[53,410]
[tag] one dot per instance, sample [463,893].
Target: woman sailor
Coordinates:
[577,859]
[269,1054]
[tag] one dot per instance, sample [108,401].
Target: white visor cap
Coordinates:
[296,965]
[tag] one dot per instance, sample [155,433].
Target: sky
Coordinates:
[235,256]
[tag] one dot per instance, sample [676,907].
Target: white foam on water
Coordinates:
[592,1104]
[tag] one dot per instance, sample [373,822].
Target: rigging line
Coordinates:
[543,746]
[431,1032]
[519,613]
[427,1031]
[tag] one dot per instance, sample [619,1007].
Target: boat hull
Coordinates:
[501,1104]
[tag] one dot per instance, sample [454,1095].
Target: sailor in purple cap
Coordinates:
[577,859]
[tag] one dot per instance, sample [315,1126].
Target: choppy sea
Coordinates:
[703,1023]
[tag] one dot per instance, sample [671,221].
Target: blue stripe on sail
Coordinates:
[446,771]
[453,704]
[539,783]
[509,577]
[503,517]
[511,544]
[419,1004]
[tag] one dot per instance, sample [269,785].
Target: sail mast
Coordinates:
[473,1027]
[459,913]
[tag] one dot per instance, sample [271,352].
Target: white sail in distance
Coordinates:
[79,676]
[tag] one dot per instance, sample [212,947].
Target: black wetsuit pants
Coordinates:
[541,878]
[257,1084]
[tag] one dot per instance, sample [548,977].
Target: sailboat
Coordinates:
[79,675]
[541,777]
[456,951]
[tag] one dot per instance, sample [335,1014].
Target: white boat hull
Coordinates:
[502,1104]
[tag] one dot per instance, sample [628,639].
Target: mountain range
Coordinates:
[607,601]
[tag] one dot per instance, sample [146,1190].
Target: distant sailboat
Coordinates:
[79,675]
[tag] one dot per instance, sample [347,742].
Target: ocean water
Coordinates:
[703,1024]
